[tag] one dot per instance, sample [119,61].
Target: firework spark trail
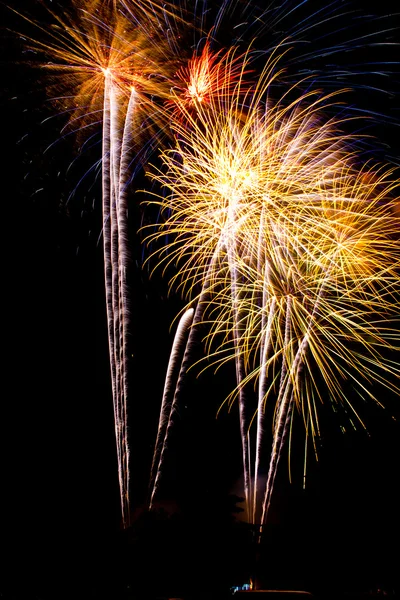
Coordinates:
[278,157]
[114,236]
[238,177]
[385,274]
[225,244]
[327,279]
[232,252]
[302,195]
[123,256]
[266,328]
[284,406]
[98,52]
[320,154]
[108,201]
[265,346]
[120,143]
[105,49]
[115,143]
[168,405]
[196,318]
[284,416]
[230,187]
[227,241]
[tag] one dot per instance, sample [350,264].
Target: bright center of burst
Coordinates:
[194,92]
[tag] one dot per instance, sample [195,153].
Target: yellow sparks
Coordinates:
[298,244]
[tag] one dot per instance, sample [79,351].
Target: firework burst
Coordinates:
[270,212]
[285,242]
[92,46]
[206,77]
[106,67]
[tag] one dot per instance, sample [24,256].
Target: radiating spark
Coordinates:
[285,176]
[207,76]
[91,42]
[286,242]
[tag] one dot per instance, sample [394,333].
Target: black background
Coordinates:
[60,516]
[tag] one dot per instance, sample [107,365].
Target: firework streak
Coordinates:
[116,146]
[106,62]
[294,243]
[281,234]
[168,406]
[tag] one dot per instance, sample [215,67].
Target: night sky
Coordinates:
[60,515]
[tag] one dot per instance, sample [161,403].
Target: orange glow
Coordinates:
[207,77]
[93,42]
